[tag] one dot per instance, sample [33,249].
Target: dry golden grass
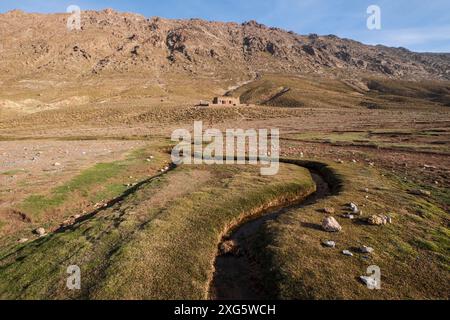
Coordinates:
[158,242]
[412,252]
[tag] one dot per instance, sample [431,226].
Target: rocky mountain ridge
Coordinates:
[111,42]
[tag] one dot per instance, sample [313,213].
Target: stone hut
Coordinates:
[226,101]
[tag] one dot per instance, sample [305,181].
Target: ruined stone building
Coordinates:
[226,101]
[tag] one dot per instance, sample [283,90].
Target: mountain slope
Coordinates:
[112,42]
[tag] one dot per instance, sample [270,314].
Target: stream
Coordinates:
[238,277]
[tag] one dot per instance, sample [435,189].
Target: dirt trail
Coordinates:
[238,277]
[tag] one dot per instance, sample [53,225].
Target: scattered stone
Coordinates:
[77,216]
[347,253]
[354,161]
[40,232]
[354,208]
[330,224]
[372,164]
[365,249]
[348,216]
[56,164]
[340,161]
[329,210]
[229,247]
[376,220]
[329,244]
[369,281]
[421,192]
[379,220]
[67,222]
[366,190]
[23,240]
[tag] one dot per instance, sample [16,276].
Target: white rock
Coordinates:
[348,216]
[23,240]
[354,208]
[330,224]
[329,244]
[369,281]
[347,253]
[40,232]
[56,164]
[365,249]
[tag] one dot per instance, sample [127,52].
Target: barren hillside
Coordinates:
[40,45]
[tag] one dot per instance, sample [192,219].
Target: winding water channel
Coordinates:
[238,277]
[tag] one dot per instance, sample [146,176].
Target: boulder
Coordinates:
[369,281]
[330,224]
[40,232]
[365,249]
[347,253]
[376,220]
[379,220]
[329,244]
[354,208]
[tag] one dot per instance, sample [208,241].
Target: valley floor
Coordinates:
[111,203]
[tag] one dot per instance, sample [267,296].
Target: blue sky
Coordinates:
[414,24]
